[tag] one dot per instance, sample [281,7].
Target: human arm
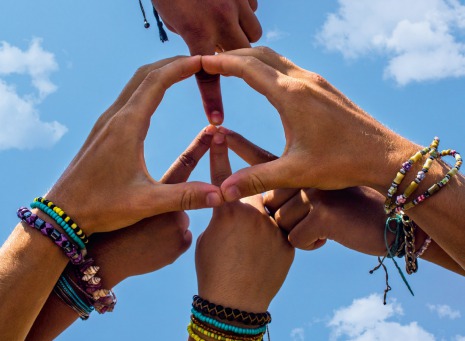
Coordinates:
[333,144]
[242,258]
[100,192]
[208,26]
[147,246]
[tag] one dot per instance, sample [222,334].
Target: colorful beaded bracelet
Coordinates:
[230,314]
[439,185]
[424,247]
[64,290]
[52,214]
[192,328]
[71,251]
[219,335]
[227,327]
[67,219]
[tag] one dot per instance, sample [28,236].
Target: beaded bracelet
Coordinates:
[424,247]
[406,166]
[191,327]
[227,327]
[64,290]
[219,335]
[67,219]
[52,214]
[433,154]
[440,184]
[230,314]
[71,251]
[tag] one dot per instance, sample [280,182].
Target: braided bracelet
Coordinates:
[230,314]
[227,327]
[71,251]
[66,219]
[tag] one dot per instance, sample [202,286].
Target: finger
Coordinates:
[143,102]
[123,97]
[181,169]
[308,235]
[276,198]
[253,5]
[179,197]
[293,211]
[248,151]
[256,179]
[209,84]
[249,23]
[220,168]
[254,72]
[234,38]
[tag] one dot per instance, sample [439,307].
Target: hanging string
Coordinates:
[146,23]
[161,30]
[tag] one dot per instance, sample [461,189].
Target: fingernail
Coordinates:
[213,199]
[232,193]
[218,138]
[216,117]
[210,130]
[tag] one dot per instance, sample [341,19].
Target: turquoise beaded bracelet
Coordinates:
[227,327]
[69,231]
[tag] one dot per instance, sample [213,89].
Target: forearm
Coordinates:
[440,216]
[55,316]
[30,266]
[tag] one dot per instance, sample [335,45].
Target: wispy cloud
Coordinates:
[20,124]
[419,38]
[367,319]
[298,334]
[275,35]
[444,310]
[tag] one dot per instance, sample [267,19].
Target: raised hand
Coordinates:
[242,258]
[330,142]
[107,185]
[208,26]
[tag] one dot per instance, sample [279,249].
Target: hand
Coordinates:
[208,26]
[107,185]
[330,142]
[154,242]
[242,258]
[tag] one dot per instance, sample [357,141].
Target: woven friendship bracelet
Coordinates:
[71,251]
[230,314]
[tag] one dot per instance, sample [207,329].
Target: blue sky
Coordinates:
[403,62]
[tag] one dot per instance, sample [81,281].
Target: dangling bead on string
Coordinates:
[161,30]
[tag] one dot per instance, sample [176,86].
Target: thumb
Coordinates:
[183,196]
[256,179]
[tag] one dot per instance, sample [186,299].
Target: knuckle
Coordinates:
[188,160]
[188,199]
[265,50]
[255,184]
[220,176]
[318,80]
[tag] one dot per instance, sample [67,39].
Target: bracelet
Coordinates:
[229,314]
[67,219]
[218,335]
[71,251]
[52,214]
[191,327]
[424,247]
[64,290]
[227,327]
[440,184]
[433,154]
[411,262]
[406,166]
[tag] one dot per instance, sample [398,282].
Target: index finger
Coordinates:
[182,168]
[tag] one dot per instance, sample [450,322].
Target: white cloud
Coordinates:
[420,38]
[298,334]
[274,35]
[459,338]
[366,319]
[444,310]
[20,124]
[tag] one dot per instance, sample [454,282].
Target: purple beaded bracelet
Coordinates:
[70,250]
